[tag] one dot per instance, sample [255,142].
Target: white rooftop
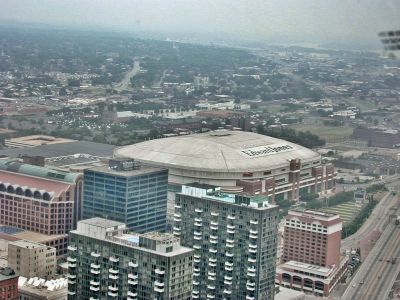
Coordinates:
[226,151]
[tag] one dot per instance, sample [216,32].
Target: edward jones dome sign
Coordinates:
[266,150]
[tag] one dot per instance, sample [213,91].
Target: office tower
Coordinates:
[30,259]
[106,262]
[311,252]
[234,237]
[8,284]
[128,192]
[39,199]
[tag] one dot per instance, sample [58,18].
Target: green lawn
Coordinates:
[347,211]
[328,133]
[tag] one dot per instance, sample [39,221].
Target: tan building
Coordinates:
[31,259]
[311,252]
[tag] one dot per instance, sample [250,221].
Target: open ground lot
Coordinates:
[328,133]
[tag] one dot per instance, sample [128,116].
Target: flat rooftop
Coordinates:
[28,244]
[144,169]
[62,149]
[100,222]
[309,268]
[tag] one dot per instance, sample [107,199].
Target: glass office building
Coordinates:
[127,192]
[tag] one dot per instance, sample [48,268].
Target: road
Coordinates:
[375,276]
[379,216]
[125,83]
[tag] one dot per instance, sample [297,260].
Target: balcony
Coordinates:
[198,224]
[94,288]
[71,281]
[210,296]
[250,288]
[196,282]
[133,264]
[228,292]
[71,259]
[229,245]
[212,250]
[113,271]
[176,233]
[214,223]
[214,214]
[210,287]
[197,270]
[252,236]
[158,289]
[132,282]
[212,259]
[159,271]
[197,247]
[196,260]
[159,283]
[254,222]
[213,241]
[227,282]
[252,250]
[113,288]
[253,231]
[229,264]
[198,210]
[251,283]
[95,272]
[214,237]
[248,297]
[93,298]
[227,277]
[114,277]
[177,217]
[71,265]
[211,264]
[133,276]
[253,246]
[71,276]
[251,269]
[197,238]
[177,229]
[177,206]
[197,232]
[213,227]
[228,254]
[251,260]
[231,231]
[114,259]
[197,256]
[231,227]
[71,293]
[112,294]
[95,254]
[230,217]
[94,283]
[71,248]
[211,278]
[198,219]
[132,294]
[227,268]
[94,266]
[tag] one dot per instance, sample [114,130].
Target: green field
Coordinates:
[328,133]
[347,211]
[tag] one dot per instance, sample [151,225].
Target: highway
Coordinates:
[375,276]
[125,83]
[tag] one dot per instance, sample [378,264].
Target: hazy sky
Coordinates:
[260,19]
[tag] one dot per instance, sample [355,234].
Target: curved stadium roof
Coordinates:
[223,151]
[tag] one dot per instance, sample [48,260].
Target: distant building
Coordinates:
[39,199]
[105,262]
[8,284]
[40,289]
[234,237]
[378,137]
[127,192]
[360,194]
[30,259]
[311,253]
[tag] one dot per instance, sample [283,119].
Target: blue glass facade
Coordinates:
[138,200]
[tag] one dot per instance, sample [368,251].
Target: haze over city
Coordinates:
[304,21]
[199,150]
